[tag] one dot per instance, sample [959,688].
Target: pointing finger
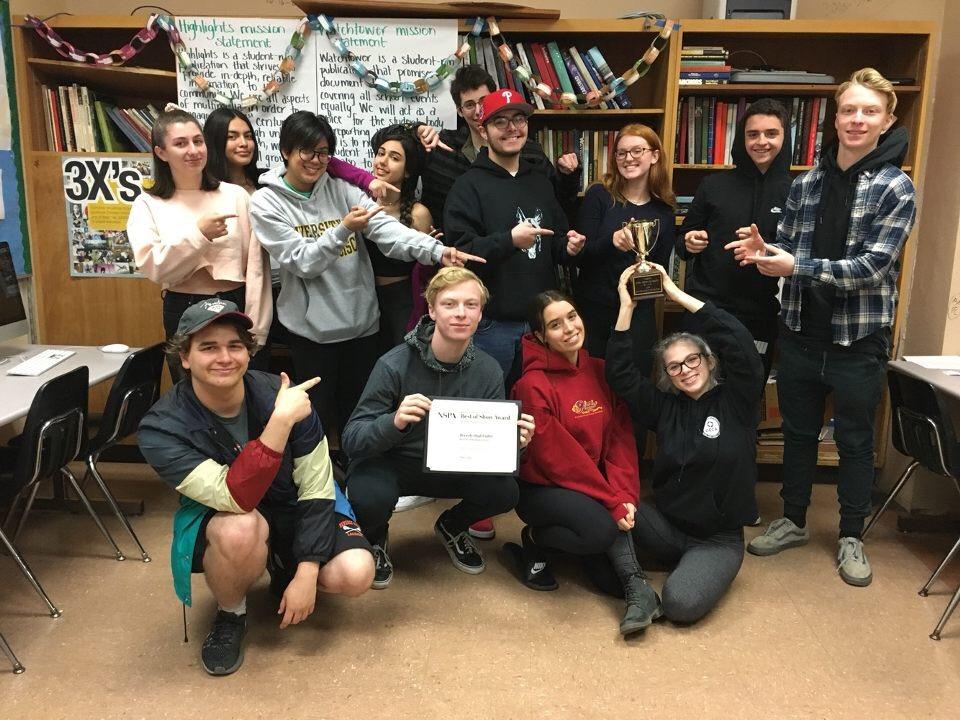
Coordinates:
[308,384]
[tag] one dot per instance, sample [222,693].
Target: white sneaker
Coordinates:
[409,502]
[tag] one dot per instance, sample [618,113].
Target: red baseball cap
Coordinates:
[500,101]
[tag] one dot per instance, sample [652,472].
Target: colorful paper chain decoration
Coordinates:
[612,86]
[167,24]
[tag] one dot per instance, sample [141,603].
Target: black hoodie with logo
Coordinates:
[725,202]
[485,204]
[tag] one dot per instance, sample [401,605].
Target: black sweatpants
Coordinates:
[566,520]
[374,484]
[343,369]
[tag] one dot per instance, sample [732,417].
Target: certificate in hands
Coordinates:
[472,436]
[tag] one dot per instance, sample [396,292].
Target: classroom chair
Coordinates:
[8,651]
[135,389]
[923,430]
[53,435]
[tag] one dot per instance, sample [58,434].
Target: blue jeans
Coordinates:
[500,339]
[805,375]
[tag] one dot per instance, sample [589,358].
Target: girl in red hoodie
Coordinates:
[579,477]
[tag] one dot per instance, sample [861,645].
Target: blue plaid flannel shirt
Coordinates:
[882,215]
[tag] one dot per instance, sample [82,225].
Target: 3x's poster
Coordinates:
[99,192]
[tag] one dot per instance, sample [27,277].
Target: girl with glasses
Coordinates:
[637,187]
[233,156]
[705,469]
[579,477]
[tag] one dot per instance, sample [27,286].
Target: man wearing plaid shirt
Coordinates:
[838,249]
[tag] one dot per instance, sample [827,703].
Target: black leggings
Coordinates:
[566,520]
[343,369]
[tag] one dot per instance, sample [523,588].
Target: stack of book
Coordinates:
[78,121]
[594,148]
[704,65]
[569,69]
[706,127]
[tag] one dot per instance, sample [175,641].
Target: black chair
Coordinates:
[8,651]
[52,436]
[134,391]
[924,430]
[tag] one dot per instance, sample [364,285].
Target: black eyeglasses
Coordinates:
[501,123]
[470,105]
[692,362]
[636,153]
[323,154]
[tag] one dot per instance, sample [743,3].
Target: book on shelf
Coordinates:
[553,51]
[595,148]
[584,66]
[77,120]
[706,128]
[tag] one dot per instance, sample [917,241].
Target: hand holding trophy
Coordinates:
[646,283]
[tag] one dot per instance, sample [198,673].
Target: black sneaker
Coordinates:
[531,563]
[461,549]
[384,568]
[222,651]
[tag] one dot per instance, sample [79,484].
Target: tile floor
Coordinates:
[789,641]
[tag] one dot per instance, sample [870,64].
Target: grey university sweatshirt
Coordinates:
[327,291]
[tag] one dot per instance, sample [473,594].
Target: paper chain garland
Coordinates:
[612,86]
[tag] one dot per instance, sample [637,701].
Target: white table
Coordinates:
[17,391]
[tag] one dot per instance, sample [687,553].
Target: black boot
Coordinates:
[643,604]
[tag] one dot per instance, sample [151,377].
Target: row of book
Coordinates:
[569,69]
[706,127]
[594,148]
[704,65]
[78,121]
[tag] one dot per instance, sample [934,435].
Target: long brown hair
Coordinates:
[658,182]
[163,185]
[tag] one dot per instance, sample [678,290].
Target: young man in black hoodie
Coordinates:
[726,204]
[458,149]
[838,248]
[504,210]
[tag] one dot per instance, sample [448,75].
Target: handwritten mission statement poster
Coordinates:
[239,55]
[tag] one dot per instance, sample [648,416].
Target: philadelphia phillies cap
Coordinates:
[501,101]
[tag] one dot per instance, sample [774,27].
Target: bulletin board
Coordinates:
[12,208]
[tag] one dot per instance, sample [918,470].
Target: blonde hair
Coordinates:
[872,79]
[658,182]
[450,276]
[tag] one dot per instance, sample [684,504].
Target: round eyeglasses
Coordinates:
[323,154]
[691,362]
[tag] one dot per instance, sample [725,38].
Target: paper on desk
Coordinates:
[935,362]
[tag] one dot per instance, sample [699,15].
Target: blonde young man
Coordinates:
[838,250]
[385,434]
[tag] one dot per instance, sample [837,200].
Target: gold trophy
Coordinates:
[646,283]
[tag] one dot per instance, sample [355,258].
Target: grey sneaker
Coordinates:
[852,563]
[781,534]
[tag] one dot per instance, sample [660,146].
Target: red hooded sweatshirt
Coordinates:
[584,439]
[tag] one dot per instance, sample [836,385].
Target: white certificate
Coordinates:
[472,436]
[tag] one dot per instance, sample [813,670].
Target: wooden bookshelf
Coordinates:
[837,48]
[84,311]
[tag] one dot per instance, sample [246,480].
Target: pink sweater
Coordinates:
[170,249]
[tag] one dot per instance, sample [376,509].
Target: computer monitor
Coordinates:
[13,318]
